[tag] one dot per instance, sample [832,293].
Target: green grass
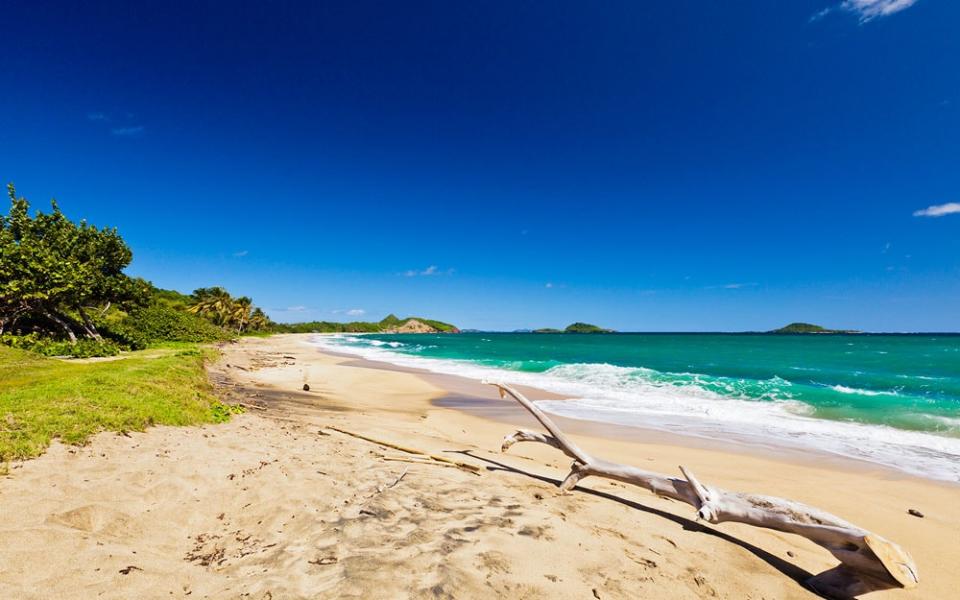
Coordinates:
[43,398]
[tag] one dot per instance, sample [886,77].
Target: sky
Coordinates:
[668,166]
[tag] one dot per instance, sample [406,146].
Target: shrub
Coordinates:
[84,348]
[160,323]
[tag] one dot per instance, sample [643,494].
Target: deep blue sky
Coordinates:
[665,166]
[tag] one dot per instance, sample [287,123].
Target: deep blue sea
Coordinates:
[889,399]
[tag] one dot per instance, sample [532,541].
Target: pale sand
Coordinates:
[267,507]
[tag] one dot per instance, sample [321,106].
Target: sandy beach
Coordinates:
[279,504]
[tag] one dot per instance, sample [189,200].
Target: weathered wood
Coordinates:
[868,562]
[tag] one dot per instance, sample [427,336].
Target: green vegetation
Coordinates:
[438,325]
[585,328]
[42,398]
[83,348]
[388,323]
[392,322]
[808,328]
[237,314]
[576,328]
[150,325]
[325,327]
[54,271]
[63,292]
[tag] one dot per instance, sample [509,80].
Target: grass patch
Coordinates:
[42,398]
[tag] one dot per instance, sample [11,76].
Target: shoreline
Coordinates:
[871,495]
[469,395]
[294,500]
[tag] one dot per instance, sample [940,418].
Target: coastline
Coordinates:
[278,504]
[478,400]
[467,393]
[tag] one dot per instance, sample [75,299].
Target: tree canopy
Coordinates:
[65,280]
[53,271]
[219,306]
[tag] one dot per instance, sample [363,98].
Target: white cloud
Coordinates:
[127,131]
[939,210]
[731,286]
[241,253]
[356,312]
[298,308]
[867,10]
[871,9]
[549,285]
[431,270]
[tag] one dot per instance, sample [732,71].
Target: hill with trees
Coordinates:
[576,328]
[389,324]
[799,327]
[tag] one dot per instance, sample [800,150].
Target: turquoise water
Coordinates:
[893,399]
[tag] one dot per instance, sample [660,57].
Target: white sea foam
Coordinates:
[633,397]
[849,390]
[951,423]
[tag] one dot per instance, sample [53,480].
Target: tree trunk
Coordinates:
[63,325]
[88,325]
[10,319]
[868,562]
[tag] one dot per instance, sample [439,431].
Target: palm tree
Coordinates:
[239,312]
[213,303]
[258,320]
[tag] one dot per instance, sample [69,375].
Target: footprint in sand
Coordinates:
[96,518]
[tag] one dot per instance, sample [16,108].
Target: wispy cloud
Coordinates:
[867,10]
[939,210]
[127,131]
[120,126]
[548,285]
[241,253]
[730,286]
[297,308]
[353,312]
[431,270]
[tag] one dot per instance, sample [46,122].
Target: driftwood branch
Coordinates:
[868,562]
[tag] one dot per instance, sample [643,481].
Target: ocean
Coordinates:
[888,399]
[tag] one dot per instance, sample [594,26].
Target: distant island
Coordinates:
[389,324]
[575,328]
[809,328]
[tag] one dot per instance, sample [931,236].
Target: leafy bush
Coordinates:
[161,323]
[221,413]
[83,348]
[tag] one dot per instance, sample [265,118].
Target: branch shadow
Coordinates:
[794,572]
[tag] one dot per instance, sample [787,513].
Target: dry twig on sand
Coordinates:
[430,458]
